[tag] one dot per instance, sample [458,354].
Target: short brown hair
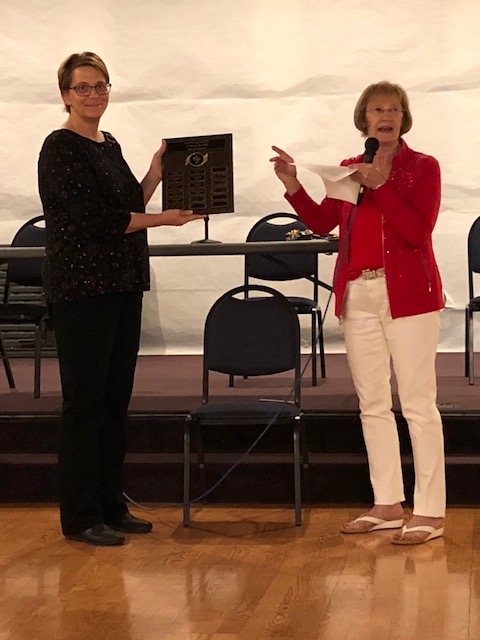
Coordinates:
[75,60]
[382,88]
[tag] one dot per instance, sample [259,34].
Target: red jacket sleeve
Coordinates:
[320,217]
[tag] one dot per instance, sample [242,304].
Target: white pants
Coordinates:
[373,340]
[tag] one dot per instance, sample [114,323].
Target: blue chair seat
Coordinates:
[302,305]
[474,304]
[246,413]
[21,313]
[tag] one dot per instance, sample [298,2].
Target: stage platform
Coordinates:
[168,387]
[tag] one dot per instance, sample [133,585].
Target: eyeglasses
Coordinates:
[378,111]
[83,89]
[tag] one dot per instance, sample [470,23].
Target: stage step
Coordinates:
[336,474]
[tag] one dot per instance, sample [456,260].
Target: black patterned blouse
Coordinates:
[88,191]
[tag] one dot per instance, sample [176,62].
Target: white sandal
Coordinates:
[377,524]
[432,534]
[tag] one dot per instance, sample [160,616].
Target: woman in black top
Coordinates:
[95,271]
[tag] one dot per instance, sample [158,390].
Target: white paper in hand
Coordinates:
[337,181]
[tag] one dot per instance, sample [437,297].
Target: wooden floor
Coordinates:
[238,573]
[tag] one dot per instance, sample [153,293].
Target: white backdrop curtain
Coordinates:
[270,72]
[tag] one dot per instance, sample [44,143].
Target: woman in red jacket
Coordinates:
[388,296]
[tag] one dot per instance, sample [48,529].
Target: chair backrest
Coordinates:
[252,336]
[292,267]
[26,271]
[473,253]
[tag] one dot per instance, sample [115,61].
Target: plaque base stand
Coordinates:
[206,238]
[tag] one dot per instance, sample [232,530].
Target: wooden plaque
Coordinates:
[198,174]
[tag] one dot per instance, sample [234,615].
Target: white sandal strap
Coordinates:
[424,528]
[370,519]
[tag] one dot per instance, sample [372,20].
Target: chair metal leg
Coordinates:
[38,361]
[186,472]
[201,460]
[471,372]
[467,373]
[297,478]
[314,347]
[304,459]
[321,344]
[303,445]
[6,364]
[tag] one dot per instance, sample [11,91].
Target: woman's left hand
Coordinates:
[369,175]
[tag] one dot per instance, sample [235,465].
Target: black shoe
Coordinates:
[130,524]
[100,535]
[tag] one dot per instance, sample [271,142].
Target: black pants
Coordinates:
[97,341]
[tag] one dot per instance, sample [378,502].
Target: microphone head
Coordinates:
[371,147]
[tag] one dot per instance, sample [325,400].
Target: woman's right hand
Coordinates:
[285,170]
[168,218]
[178,217]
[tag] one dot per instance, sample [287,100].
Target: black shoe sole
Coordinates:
[96,542]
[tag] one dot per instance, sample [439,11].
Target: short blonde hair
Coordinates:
[75,60]
[382,88]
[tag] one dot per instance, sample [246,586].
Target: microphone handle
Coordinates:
[360,195]
[367,159]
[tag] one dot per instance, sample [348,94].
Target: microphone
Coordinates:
[371,147]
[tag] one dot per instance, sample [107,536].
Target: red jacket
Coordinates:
[408,204]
